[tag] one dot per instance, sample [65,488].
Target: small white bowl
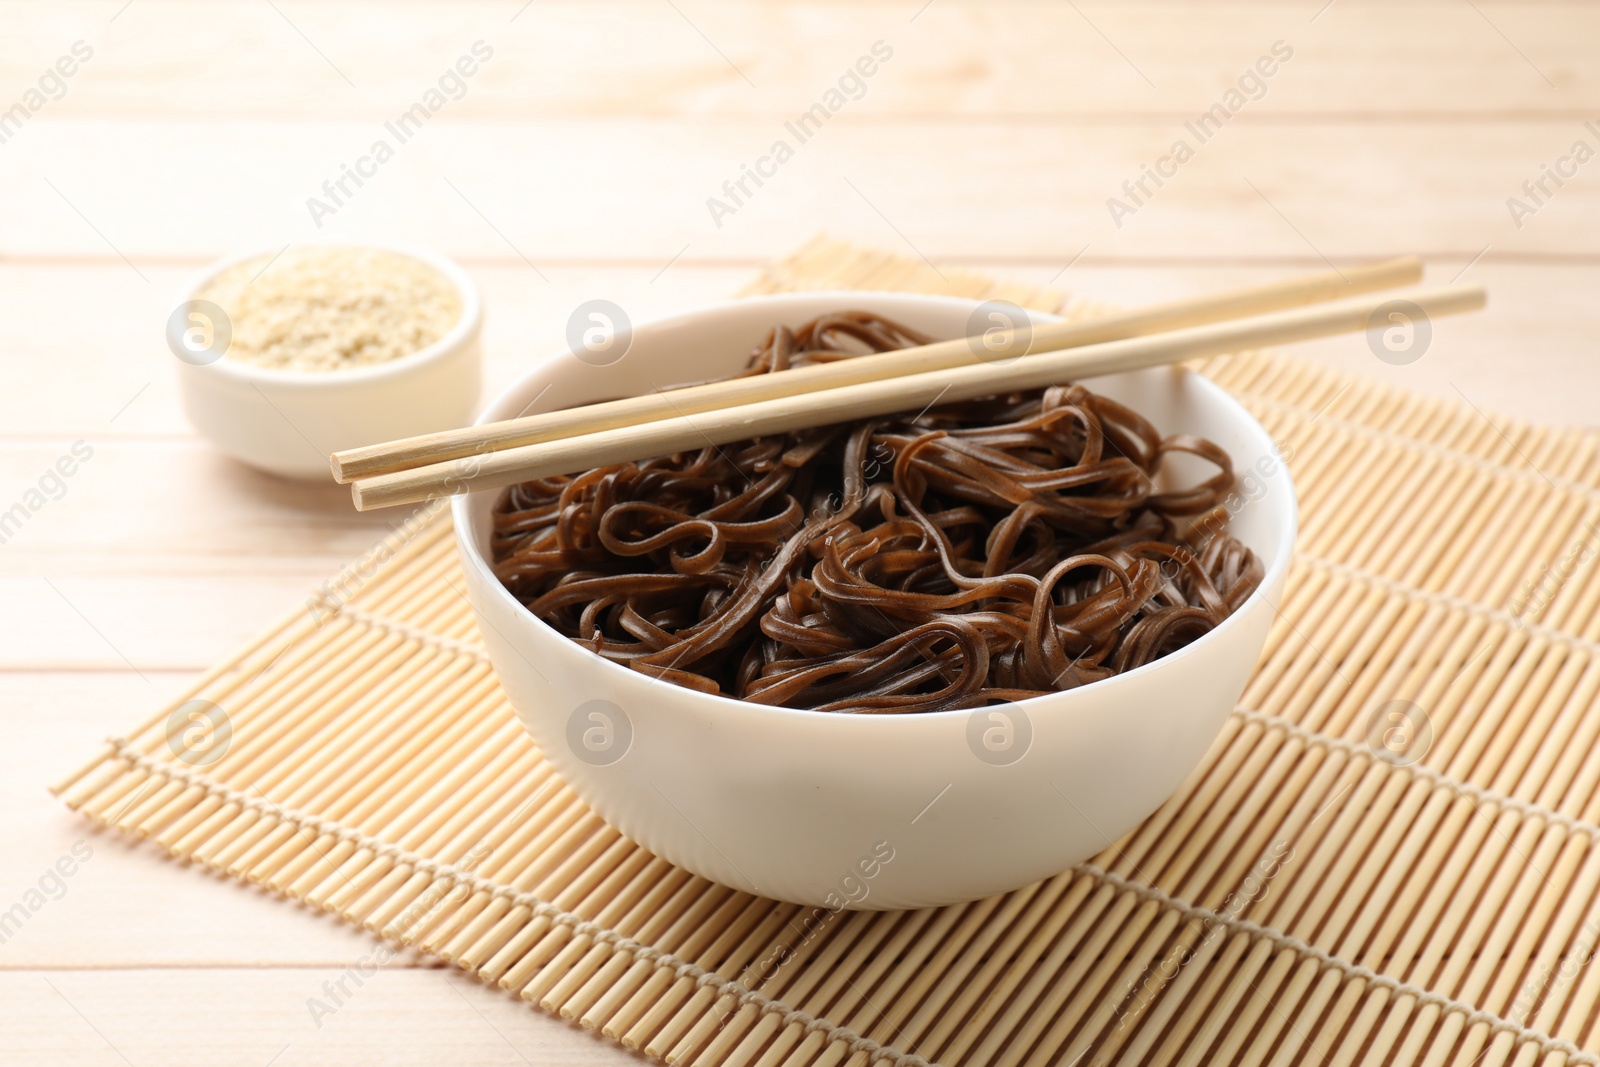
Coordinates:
[872,811]
[287,422]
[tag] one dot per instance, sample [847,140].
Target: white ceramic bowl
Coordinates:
[872,811]
[287,422]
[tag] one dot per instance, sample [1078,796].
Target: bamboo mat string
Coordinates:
[1524,472]
[1501,801]
[1448,601]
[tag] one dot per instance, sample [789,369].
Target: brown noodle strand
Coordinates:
[982,551]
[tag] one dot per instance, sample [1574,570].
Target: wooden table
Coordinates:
[577,162]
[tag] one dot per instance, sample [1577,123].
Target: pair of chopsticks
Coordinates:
[677,420]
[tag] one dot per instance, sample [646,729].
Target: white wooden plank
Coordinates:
[176,503]
[169,498]
[539,192]
[196,1017]
[146,622]
[1395,128]
[955,58]
[1529,354]
[72,371]
[106,375]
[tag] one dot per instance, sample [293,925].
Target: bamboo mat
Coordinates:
[1387,857]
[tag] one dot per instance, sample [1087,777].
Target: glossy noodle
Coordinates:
[971,554]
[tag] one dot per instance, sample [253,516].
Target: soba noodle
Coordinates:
[969,554]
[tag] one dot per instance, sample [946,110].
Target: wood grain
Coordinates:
[592,141]
[204,1016]
[952,59]
[1347,190]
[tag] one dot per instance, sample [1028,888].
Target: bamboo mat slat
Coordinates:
[1387,857]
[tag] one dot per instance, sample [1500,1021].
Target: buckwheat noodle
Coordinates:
[973,553]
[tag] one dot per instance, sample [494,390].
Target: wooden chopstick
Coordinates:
[363,462]
[886,396]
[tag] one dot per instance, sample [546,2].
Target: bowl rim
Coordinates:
[465,328]
[461,504]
